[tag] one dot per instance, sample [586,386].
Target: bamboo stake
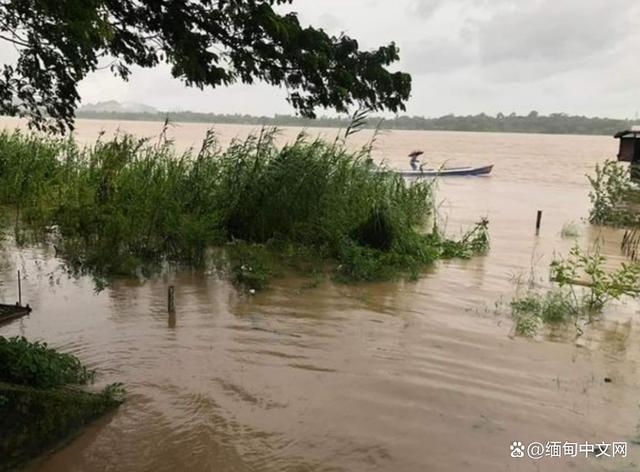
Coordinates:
[19,290]
[171,299]
[538,221]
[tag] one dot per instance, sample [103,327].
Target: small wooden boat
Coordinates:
[10,312]
[448,171]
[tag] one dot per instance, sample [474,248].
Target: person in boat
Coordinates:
[414,162]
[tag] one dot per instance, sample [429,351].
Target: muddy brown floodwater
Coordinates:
[406,376]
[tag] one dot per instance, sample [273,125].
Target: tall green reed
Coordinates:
[127,205]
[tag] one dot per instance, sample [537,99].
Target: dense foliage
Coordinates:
[37,365]
[125,205]
[615,198]
[208,43]
[556,123]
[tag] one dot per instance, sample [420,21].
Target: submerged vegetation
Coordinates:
[570,230]
[128,206]
[533,309]
[582,287]
[39,401]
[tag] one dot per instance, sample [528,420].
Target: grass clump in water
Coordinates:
[128,206]
[535,309]
[570,230]
[473,242]
[583,287]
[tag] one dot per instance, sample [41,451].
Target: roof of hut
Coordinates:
[633,132]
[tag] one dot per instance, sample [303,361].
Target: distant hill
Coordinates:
[555,123]
[113,106]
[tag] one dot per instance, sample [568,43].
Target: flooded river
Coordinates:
[403,376]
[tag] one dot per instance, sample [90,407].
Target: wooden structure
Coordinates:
[629,145]
[10,312]
[630,150]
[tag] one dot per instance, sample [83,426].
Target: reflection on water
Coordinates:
[399,376]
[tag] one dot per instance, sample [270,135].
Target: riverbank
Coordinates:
[34,421]
[41,405]
[556,123]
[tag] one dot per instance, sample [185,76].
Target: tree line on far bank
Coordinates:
[555,123]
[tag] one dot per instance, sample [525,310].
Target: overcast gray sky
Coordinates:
[465,56]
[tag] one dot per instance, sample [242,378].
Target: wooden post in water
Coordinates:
[538,221]
[19,289]
[171,299]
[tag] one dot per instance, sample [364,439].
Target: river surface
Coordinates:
[403,376]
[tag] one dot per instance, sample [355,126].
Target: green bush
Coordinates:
[35,364]
[614,197]
[39,404]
